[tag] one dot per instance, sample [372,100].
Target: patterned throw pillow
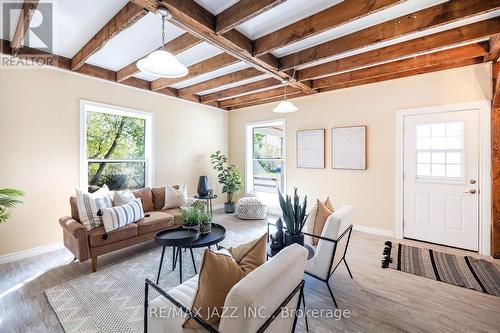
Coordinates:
[89,205]
[119,216]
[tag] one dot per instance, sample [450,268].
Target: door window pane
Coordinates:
[267,176]
[440,150]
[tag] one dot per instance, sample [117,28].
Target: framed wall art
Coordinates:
[311,149]
[349,148]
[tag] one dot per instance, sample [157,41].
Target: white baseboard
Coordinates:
[374,231]
[30,252]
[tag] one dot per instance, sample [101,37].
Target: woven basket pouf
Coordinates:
[251,208]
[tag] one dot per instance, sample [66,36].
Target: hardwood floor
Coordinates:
[379,300]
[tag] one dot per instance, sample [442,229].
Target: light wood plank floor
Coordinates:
[379,300]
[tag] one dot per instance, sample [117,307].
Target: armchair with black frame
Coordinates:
[331,248]
[251,307]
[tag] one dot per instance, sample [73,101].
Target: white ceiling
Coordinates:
[75,22]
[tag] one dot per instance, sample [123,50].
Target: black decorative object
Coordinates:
[203,186]
[277,241]
[294,239]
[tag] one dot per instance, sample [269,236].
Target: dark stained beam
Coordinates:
[23,23]
[190,16]
[422,61]
[467,33]
[344,12]
[241,90]
[128,15]
[421,20]
[259,96]
[203,67]
[240,75]
[241,12]
[494,48]
[177,45]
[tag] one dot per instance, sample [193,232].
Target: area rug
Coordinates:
[112,299]
[464,271]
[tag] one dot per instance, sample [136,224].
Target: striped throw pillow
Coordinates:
[119,216]
[89,205]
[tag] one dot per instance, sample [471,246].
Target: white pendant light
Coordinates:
[161,63]
[285,106]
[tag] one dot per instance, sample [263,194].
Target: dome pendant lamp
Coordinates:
[285,106]
[161,63]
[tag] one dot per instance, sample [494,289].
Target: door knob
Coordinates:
[471,191]
[472,181]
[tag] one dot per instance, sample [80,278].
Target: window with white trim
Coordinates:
[265,157]
[116,147]
[440,150]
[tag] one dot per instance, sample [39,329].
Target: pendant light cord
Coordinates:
[286,81]
[163,18]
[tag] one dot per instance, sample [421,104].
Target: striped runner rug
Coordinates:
[464,271]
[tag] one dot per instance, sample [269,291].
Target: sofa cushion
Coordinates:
[147,198]
[155,221]
[159,196]
[116,217]
[95,235]
[176,213]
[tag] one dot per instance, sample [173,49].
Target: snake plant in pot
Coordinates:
[294,215]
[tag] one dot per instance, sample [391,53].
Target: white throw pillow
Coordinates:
[122,197]
[175,198]
[119,216]
[89,205]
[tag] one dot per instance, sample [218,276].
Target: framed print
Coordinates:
[349,148]
[311,149]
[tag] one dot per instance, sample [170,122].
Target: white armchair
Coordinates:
[269,289]
[331,248]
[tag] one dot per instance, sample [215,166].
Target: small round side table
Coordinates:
[208,199]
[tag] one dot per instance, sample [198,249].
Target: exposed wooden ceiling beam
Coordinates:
[424,19]
[192,17]
[266,101]
[494,49]
[177,45]
[413,47]
[23,23]
[329,18]
[369,80]
[240,75]
[241,90]
[241,12]
[128,15]
[203,67]
[402,74]
[495,100]
[260,96]
[426,60]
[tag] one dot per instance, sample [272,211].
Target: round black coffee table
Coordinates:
[175,238]
[180,238]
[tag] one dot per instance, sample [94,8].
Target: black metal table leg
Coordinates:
[192,258]
[180,264]
[161,263]
[305,312]
[174,257]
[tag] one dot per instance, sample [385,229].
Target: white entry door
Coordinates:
[441,170]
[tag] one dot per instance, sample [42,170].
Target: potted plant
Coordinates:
[230,177]
[191,217]
[8,199]
[294,216]
[205,223]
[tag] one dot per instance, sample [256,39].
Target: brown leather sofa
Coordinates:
[86,244]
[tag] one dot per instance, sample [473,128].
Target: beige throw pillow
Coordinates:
[122,197]
[219,272]
[175,198]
